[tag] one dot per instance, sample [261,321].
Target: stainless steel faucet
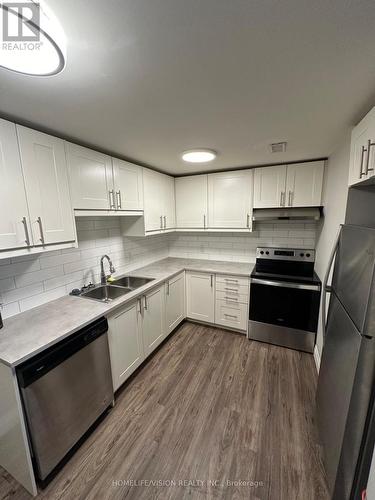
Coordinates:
[103,277]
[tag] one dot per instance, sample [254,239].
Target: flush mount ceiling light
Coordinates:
[199,155]
[32,40]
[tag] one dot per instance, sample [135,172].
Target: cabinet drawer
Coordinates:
[232,297]
[232,280]
[231,315]
[232,288]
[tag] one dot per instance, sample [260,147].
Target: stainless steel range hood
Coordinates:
[275,214]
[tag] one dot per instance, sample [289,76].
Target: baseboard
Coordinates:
[317,358]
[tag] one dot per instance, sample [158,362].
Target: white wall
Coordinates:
[27,282]
[241,247]
[335,192]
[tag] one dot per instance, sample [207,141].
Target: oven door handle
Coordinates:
[285,284]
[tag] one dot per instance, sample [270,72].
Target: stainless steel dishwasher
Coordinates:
[64,391]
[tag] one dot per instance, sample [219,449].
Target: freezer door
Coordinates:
[335,385]
[354,272]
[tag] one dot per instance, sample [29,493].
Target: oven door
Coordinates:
[281,312]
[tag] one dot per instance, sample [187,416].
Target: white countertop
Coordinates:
[32,331]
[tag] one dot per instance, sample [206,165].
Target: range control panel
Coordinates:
[293,254]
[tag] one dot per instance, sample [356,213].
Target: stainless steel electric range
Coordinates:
[284,298]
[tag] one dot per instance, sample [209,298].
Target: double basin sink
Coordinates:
[117,288]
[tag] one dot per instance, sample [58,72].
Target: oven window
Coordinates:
[289,307]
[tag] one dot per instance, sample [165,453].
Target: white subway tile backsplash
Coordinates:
[32,280]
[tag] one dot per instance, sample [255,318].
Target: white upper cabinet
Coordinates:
[14,220]
[191,202]
[91,180]
[304,183]
[169,217]
[362,153]
[269,187]
[230,202]
[154,192]
[47,187]
[296,185]
[128,185]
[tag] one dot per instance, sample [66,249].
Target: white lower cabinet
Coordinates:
[229,312]
[200,296]
[125,342]
[174,301]
[153,319]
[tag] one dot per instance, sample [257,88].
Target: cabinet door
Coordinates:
[128,183]
[200,296]
[230,199]
[304,184]
[125,343]
[269,187]
[14,220]
[362,153]
[191,201]
[153,319]
[47,187]
[174,302]
[169,203]
[91,180]
[154,189]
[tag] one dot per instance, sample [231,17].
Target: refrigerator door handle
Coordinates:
[325,287]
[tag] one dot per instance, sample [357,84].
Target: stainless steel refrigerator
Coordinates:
[345,393]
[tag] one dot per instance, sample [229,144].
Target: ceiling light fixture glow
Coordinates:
[32,40]
[199,155]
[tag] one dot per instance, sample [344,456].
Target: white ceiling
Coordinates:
[148,79]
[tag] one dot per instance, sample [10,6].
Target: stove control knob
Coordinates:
[261,252]
[307,255]
[267,253]
[302,254]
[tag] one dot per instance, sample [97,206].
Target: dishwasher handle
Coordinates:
[42,363]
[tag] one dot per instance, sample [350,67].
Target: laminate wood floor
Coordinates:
[209,416]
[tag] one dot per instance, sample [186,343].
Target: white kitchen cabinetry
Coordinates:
[159,206]
[269,186]
[296,185]
[128,185]
[153,319]
[304,184]
[230,201]
[362,153]
[232,302]
[47,187]
[174,301]
[90,179]
[125,342]
[200,296]
[191,202]
[14,220]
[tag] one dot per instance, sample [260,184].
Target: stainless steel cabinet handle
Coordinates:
[39,221]
[146,305]
[112,199]
[231,280]
[248,220]
[361,173]
[168,285]
[161,222]
[290,198]
[212,280]
[165,221]
[118,196]
[140,306]
[369,145]
[281,198]
[231,289]
[204,221]
[235,299]
[27,236]
[230,316]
